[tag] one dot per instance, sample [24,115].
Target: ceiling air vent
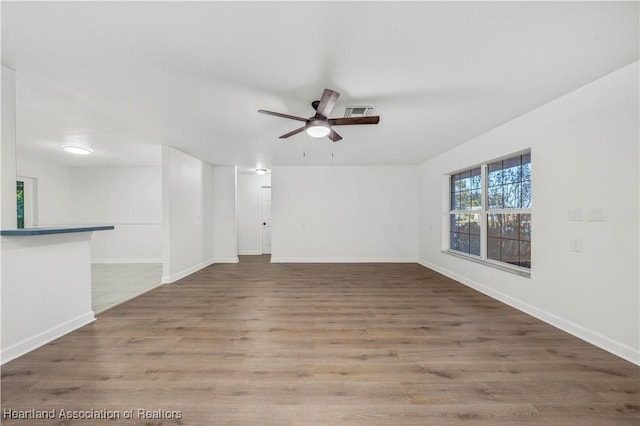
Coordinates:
[358,111]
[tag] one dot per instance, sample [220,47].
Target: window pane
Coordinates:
[525,194]
[463,243]
[525,254]
[20,204]
[465,190]
[493,248]
[474,244]
[510,226]
[465,201]
[495,197]
[510,251]
[474,224]
[494,225]
[525,227]
[508,238]
[453,241]
[511,193]
[452,196]
[476,178]
[509,183]
[462,223]
[526,171]
[457,182]
[476,199]
[456,205]
[494,173]
[464,181]
[511,170]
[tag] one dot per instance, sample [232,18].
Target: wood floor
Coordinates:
[256,343]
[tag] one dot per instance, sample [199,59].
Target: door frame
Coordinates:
[262,188]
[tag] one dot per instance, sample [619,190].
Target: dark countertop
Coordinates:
[53,230]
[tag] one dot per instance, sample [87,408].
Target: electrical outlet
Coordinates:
[576,246]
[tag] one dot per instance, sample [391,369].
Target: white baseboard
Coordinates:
[341,260]
[34,342]
[249,252]
[152,260]
[226,260]
[185,272]
[619,349]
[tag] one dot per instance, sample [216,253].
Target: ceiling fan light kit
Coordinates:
[320,125]
[318,128]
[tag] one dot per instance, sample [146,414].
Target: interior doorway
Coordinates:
[266,220]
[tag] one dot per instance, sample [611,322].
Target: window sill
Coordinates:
[523,272]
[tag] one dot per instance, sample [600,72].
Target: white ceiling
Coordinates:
[124,78]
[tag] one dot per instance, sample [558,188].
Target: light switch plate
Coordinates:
[576,214]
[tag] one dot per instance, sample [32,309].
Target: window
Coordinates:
[20,203]
[490,211]
[466,196]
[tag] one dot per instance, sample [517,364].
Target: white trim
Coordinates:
[249,252]
[619,349]
[341,260]
[185,272]
[34,342]
[98,261]
[503,266]
[226,260]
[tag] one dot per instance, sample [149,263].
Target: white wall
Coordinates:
[129,198]
[225,241]
[250,212]
[8,214]
[344,213]
[584,154]
[44,295]
[187,205]
[46,289]
[52,192]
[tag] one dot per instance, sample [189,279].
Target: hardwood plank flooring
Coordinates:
[256,343]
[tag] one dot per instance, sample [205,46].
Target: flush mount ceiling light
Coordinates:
[261,171]
[317,128]
[78,150]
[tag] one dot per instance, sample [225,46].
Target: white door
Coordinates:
[266,220]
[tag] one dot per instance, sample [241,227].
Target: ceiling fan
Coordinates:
[320,125]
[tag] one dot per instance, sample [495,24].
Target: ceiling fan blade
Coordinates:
[327,102]
[279,114]
[373,119]
[294,132]
[334,136]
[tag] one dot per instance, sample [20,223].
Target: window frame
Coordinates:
[484,211]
